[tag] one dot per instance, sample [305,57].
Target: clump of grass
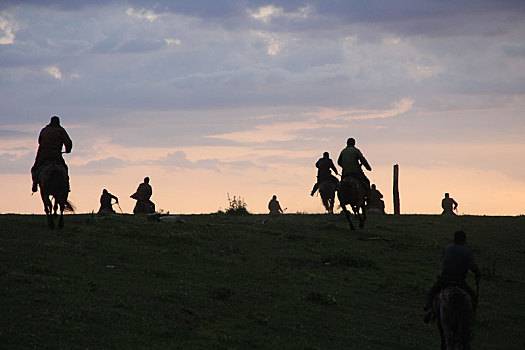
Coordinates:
[344,258]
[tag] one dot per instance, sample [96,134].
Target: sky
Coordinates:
[212,99]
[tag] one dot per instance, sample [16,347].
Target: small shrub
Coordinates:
[237,206]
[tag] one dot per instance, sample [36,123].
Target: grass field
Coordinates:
[245,282]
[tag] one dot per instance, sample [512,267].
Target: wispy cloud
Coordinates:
[8,28]
[54,71]
[142,14]
[179,160]
[267,13]
[317,121]
[402,106]
[103,166]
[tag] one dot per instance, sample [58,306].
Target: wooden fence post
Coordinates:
[396,190]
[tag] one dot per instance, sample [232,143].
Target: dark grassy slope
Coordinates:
[223,282]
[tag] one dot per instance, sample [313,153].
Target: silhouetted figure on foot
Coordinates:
[50,142]
[324,172]
[274,206]
[449,205]
[142,195]
[106,207]
[457,261]
[374,202]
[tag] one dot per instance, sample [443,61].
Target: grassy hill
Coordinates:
[246,282]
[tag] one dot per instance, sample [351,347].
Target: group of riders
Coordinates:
[53,138]
[351,160]
[457,258]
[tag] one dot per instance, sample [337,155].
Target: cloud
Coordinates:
[8,27]
[267,133]
[142,14]
[402,106]
[267,13]
[102,166]
[179,160]
[14,134]
[280,132]
[54,71]
[16,163]
[141,45]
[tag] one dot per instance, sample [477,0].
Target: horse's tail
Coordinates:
[457,315]
[69,207]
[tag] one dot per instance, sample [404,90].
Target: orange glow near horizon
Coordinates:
[198,191]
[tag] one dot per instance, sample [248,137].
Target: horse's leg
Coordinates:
[347,214]
[48,206]
[55,209]
[326,204]
[362,217]
[449,333]
[442,334]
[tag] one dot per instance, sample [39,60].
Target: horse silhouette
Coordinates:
[53,181]
[327,191]
[143,207]
[455,318]
[352,192]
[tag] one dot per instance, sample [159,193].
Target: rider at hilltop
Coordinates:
[144,192]
[351,159]
[50,142]
[449,205]
[324,171]
[457,261]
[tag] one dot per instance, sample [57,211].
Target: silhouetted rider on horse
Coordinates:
[457,261]
[351,159]
[143,195]
[324,172]
[50,142]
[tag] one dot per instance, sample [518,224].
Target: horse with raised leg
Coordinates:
[327,191]
[352,192]
[53,181]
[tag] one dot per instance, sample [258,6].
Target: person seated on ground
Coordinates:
[449,205]
[374,200]
[274,206]
[50,142]
[106,207]
[324,171]
[351,159]
[143,194]
[457,261]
